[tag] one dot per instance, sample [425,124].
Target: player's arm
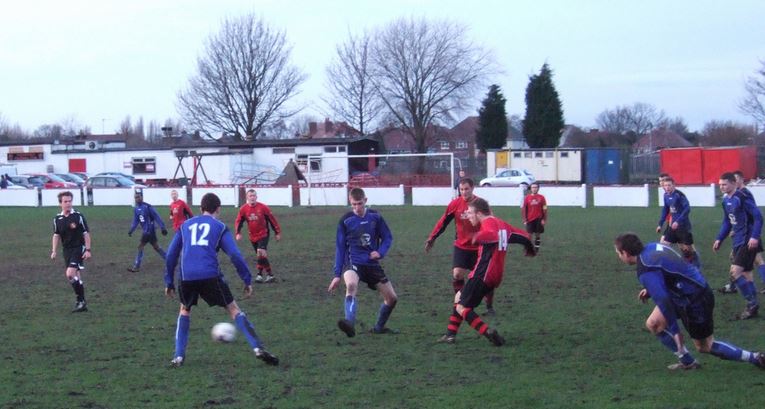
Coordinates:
[440,226]
[725,227]
[518,236]
[524,210]
[751,208]
[54,245]
[273,223]
[86,236]
[544,210]
[228,245]
[187,211]
[171,259]
[386,237]
[135,221]
[341,249]
[159,220]
[653,281]
[663,218]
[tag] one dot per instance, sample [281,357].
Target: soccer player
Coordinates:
[71,230]
[493,238]
[258,218]
[680,292]
[534,214]
[758,260]
[363,239]
[678,228]
[146,215]
[743,218]
[197,244]
[179,211]
[465,252]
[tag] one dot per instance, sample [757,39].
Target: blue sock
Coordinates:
[761,270]
[246,327]
[746,290]
[730,352]
[382,316]
[162,253]
[182,335]
[138,258]
[753,290]
[350,308]
[666,339]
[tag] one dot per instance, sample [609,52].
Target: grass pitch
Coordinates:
[571,317]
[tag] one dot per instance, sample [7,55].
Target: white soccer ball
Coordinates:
[223,332]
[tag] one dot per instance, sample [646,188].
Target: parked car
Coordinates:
[71,177]
[131,177]
[510,177]
[82,175]
[101,181]
[12,185]
[24,181]
[51,181]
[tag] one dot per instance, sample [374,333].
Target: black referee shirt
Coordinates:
[71,229]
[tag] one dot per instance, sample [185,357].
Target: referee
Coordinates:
[71,229]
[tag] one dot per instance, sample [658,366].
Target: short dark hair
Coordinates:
[251,190]
[357,193]
[65,193]
[629,242]
[210,202]
[729,176]
[480,205]
[669,179]
[739,174]
[535,183]
[663,175]
[468,181]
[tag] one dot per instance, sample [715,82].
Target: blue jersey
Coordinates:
[145,214]
[197,243]
[742,216]
[669,280]
[676,204]
[358,236]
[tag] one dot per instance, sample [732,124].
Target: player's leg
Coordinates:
[182,326]
[347,325]
[656,324]
[75,280]
[264,262]
[741,271]
[471,297]
[156,247]
[760,265]
[245,326]
[729,352]
[386,308]
[138,257]
[458,278]
[258,264]
[455,319]
[690,254]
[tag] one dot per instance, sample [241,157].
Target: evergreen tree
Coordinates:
[492,121]
[543,123]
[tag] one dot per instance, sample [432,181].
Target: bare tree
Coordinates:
[244,79]
[10,132]
[126,126]
[754,102]
[639,118]
[352,97]
[426,71]
[727,133]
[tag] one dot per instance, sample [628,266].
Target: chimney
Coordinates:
[312,127]
[328,126]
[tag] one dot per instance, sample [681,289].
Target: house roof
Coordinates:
[660,138]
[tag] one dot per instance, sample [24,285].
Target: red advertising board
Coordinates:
[695,166]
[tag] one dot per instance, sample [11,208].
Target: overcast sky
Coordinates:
[99,61]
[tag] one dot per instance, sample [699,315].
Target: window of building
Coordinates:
[548,154]
[564,154]
[144,166]
[330,149]
[444,145]
[341,148]
[537,154]
[277,151]
[462,145]
[526,154]
[25,156]
[516,154]
[302,162]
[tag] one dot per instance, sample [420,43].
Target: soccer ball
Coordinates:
[223,332]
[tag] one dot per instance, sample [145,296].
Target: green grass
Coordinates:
[574,325]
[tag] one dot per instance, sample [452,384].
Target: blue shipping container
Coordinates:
[604,166]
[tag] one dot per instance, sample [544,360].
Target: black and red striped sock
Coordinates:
[454,323]
[474,320]
[262,263]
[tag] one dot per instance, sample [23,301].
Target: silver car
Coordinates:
[510,177]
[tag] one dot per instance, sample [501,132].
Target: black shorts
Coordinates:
[150,238]
[372,275]
[535,226]
[73,257]
[681,235]
[744,257]
[214,291]
[698,317]
[260,244]
[473,292]
[464,258]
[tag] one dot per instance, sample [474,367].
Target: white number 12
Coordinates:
[204,229]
